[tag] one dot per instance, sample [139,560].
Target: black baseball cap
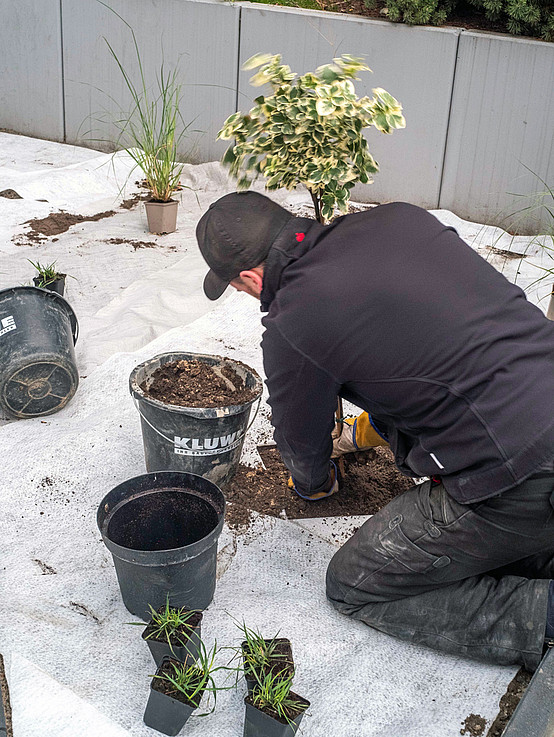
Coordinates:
[236,234]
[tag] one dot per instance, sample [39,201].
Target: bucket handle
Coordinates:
[169,440]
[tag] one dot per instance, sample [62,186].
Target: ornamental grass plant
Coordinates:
[152,131]
[189,681]
[273,696]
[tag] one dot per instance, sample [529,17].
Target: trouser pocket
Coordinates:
[398,567]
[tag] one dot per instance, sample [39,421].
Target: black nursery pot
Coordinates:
[259,724]
[161,649]
[162,530]
[56,285]
[278,665]
[167,714]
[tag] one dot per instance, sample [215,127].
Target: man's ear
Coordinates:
[253,279]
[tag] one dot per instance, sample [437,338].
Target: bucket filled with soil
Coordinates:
[194,411]
[162,531]
[38,371]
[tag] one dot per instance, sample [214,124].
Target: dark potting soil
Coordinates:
[369,481]
[166,687]
[509,701]
[281,659]
[180,635]
[162,520]
[60,222]
[197,384]
[291,713]
[474,725]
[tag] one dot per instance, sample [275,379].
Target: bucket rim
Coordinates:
[48,295]
[161,481]
[203,412]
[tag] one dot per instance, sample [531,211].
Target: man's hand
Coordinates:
[331,487]
[358,433]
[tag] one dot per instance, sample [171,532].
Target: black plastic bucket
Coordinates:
[38,372]
[162,531]
[204,441]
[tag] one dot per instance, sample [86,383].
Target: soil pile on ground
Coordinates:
[59,222]
[10,194]
[474,725]
[509,701]
[370,481]
[197,384]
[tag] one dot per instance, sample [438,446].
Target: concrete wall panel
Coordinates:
[31,99]
[416,65]
[502,121]
[199,37]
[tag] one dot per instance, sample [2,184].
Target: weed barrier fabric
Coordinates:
[64,591]
[61,596]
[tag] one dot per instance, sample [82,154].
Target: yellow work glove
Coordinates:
[332,486]
[358,433]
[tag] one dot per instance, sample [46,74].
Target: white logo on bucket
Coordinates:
[7,324]
[207,446]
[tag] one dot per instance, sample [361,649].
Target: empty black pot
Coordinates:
[38,372]
[162,530]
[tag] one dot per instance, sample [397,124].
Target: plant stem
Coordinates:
[317,207]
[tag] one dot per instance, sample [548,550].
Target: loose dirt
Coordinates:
[474,725]
[509,701]
[59,222]
[135,244]
[370,481]
[197,384]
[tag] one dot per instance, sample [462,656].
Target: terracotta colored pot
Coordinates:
[162,216]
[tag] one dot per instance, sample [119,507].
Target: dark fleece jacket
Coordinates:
[391,310]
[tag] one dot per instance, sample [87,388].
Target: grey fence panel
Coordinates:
[31,99]
[199,38]
[416,65]
[502,121]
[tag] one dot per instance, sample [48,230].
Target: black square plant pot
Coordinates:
[259,724]
[166,714]
[284,663]
[56,285]
[160,649]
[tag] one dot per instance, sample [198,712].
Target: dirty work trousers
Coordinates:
[467,579]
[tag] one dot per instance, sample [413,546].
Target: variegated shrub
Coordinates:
[309,131]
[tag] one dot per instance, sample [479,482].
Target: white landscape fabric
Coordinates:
[61,615]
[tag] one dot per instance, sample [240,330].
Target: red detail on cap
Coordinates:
[436,479]
[300,237]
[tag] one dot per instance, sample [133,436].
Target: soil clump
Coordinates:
[194,383]
[474,725]
[370,481]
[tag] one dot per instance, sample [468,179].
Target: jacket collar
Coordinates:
[298,237]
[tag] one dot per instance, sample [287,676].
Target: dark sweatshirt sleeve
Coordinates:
[303,399]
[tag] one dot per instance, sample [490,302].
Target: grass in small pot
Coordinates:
[171,624]
[189,681]
[261,656]
[47,273]
[273,696]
